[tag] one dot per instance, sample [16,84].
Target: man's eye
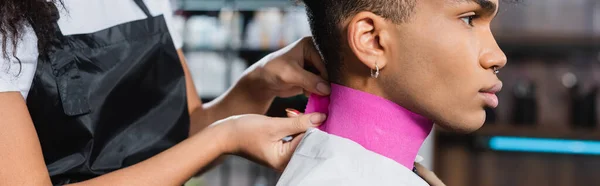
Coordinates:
[468,19]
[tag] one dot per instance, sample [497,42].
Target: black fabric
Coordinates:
[142,6]
[107,100]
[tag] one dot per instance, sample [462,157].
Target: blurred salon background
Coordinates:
[545,131]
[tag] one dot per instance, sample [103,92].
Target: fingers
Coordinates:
[428,176]
[291,113]
[312,55]
[296,125]
[309,82]
[293,74]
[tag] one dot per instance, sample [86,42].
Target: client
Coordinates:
[396,67]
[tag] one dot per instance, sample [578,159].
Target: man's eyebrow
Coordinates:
[488,7]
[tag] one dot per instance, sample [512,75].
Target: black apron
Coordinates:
[107,100]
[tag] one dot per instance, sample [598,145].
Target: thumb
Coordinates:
[296,125]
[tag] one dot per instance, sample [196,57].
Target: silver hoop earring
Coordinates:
[496,71]
[376,73]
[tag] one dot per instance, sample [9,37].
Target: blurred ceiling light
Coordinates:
[544,145]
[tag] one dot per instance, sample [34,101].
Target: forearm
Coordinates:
[171,167]
[247,96]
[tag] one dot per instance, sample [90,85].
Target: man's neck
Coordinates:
[375,123]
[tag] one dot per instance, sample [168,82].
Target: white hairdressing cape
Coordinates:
[322,159]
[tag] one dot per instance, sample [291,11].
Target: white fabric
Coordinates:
[10,78]
[77,17]
[323,159]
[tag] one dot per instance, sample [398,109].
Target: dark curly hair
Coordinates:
[16,14]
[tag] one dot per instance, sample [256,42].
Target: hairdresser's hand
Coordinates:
[280,74]
[428,176]
[283,73]
[259,138]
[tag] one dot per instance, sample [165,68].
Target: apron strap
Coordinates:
[140,3]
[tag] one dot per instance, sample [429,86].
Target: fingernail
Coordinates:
[292,112]
[323,88]
[317,119]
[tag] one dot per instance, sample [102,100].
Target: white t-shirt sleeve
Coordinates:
[5,84]
[15,76]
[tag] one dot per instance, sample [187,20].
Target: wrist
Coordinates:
[222,136]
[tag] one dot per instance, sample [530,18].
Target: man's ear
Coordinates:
[367,38]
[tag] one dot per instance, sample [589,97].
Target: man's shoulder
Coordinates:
[325,159]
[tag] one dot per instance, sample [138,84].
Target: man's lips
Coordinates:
[493,89]
[489,95]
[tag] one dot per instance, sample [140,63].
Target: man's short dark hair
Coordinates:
[326,16]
